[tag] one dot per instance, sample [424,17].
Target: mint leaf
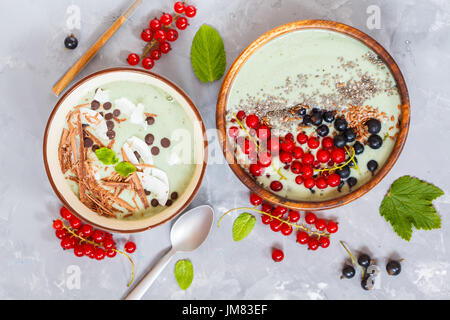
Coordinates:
[125,168]
[184,273]
[242,226]
[106,156]
[409,204]
[208,56]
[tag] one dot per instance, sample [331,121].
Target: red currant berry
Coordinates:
[148,63]
[133,59]
[164,47]
[178,7]
[302,237]
[310,218]
[338,155]
[286,229]
[66,243]
[296,167]
[181,23]
[267,208]
[263,132]
[327,143]
[293,216]
[324,242]
[306,171]
[109,243]
[99,253]
[313,143]
[321,183]
[60,233]
[273,145]
[88,249]
[147,35]
[265,158]
[277,255]
[78,250]
[309,183]
[298,180]
[323,156]
[252,121]
[240,115]
[130,247]
[75,222]
[155,54]
[86,230]
[160,36]
[333,180]
[276,186]
[255,199]
[285,157]
[287,145]
[279,211]
[266,219]
[57,224]
[190,11]
[256,169]
[65,213]
[297,153]
[233,132]
[302,138]
[313,244]
[172,34]
[166,19]
[289,136]
[110,253]
[332,227]
[308,159]
[155,25]
[320,224]
[98,236]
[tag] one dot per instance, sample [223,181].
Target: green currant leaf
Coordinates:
[106,156]
[409,204]
[125,168]
[242,226]
[208,56]
[184,273]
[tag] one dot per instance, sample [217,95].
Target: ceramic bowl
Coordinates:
[56,124]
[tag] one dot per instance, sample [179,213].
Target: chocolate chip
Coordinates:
[155,151]
[150,120]
[110,124]
[110,134]
[116,112]
[147,193]
[165,142]
[95,105]
[169,203]
[174,195]
[108,116]
[101,113]
[88,142]
[154,203]
[149,138]
[95,147]
[107,105]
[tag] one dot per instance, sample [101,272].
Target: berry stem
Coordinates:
[148,48]
[352,158]
[294,225]
[352,257]
[99,245]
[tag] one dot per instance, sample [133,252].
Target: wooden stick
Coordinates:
[92,51]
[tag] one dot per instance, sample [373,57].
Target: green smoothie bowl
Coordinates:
[125,149]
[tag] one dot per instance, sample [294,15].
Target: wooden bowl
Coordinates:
[258,43]
[53,133]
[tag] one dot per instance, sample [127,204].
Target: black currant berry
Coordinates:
[71,42]
[350,135]
[344,172]
[348,272]
[302,112]
[340,124]
[352,163]
[372,165]
[393,268]
[375,141]
[307,120]
[359,148]
[323,130]
[328,116]
[373,126]
[352,181]
[316,118]
[367,283]
[364,260]
[339,141]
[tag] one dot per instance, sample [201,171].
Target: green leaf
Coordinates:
[125,168]
[106,156]
[184,273]
[409,204]
[208,56]
[242,226]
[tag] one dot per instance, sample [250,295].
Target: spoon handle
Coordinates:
[150,277]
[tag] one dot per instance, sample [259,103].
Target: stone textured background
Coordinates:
[33,57]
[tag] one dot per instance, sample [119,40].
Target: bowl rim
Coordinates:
[404,119]
[192,106]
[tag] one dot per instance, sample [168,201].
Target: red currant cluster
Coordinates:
[315,232]
[315,162]
[160,33]
[85,240]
